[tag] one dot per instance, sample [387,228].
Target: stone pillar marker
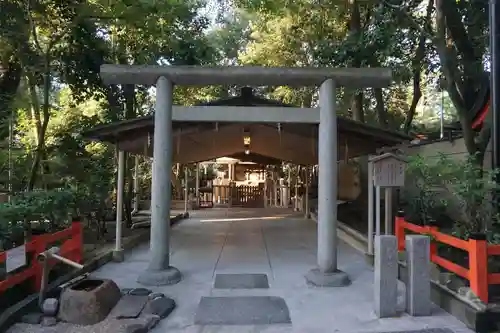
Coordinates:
[385,282]
[327,274]
[159,271]
[418,286]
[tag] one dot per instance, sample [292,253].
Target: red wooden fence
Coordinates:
[478,250]
[71,248]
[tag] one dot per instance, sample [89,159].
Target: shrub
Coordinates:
[423,195]
[472,188]
[462,185]
[47,211]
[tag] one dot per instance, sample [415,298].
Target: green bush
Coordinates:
[433,185]
[472,188]
[425,200]
[43,211]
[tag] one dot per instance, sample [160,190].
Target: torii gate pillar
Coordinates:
[159,271]
[327,273]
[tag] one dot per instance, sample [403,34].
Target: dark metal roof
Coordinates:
[353,132]
[144,125]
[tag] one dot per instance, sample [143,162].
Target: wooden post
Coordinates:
[433,246]
[478,266]
[265,193]
[306,195]
[377,211]
[370,207]
[275,189]
[388,211]
[185,189]
[77,237]
[400,233]
[197,185]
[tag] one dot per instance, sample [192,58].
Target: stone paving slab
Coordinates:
[129,306]
[425,330]
[241,281]
[242,310]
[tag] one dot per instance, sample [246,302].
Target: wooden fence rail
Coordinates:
[70,242]
[478,251]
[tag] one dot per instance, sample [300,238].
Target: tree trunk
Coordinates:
[380,108]
[355,32]
[460,85]
[10,80]
[417,68]
[41,128]
[307,98]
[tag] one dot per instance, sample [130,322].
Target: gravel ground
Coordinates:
[109,325]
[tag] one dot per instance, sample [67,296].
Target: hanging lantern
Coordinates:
[247,140]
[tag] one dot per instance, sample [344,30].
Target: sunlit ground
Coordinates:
[260,218]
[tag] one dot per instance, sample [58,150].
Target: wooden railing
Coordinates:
[478,251]
[70,242]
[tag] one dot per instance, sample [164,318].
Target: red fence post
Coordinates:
[77,237]
[432,231]
[478,266]
[400,233]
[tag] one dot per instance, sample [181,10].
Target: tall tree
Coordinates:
[458,35]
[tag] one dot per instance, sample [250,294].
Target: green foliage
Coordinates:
[425,199]
[66,42]
[48,211]
[460,189]
[472,188]
[44,211]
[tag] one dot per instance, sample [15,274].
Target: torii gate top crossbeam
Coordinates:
[246,75]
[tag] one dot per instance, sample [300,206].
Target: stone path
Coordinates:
[281,245]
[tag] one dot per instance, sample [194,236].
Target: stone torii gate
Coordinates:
[159,271]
